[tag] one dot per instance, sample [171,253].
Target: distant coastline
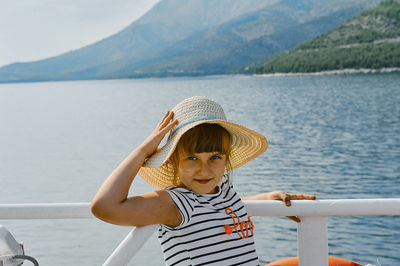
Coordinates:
[334,72]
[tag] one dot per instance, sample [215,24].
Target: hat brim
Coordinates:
[246,145]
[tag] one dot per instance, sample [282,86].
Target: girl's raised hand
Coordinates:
[112,203]
[151,143]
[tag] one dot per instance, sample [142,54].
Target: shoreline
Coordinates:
[334,72]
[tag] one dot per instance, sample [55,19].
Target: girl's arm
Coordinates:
[280,195]
[111,203]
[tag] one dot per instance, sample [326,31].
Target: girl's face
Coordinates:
[201,172]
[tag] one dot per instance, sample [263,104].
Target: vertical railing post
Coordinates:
[131,244]
[312,239]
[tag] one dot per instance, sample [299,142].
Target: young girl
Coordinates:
[202,219]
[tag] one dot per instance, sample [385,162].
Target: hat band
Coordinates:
[196,118]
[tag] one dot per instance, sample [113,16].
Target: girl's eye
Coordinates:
[191,158]
[215,157]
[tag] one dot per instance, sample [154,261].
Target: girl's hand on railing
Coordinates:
[283,196]
[287,197]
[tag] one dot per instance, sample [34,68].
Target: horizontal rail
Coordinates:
[312,231]
[46,211]
[340,207]
[311,208]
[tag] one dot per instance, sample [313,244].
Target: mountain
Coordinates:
[251,37]
[197,37]
[371,40]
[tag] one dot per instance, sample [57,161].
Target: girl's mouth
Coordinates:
[203,181]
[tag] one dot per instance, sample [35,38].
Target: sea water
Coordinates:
[332,136]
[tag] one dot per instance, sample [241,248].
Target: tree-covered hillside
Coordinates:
[370,40]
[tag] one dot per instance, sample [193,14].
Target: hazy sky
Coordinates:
[37,29]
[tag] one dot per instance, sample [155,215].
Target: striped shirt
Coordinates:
[215,230]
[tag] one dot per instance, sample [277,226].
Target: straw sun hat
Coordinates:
[246,143]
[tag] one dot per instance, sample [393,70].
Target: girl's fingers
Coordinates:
[164,129]
[294,218]
[172,124]
[302,197]
[166,120]
[286,197]
[165,117]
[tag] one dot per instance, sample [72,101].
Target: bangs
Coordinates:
[205,138]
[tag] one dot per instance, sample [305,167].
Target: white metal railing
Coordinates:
[312,231]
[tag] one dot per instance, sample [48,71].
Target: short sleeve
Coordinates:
[183,200]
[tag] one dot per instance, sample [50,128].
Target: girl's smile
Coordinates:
[203,181]
[201,172]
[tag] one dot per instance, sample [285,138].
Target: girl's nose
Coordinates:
[205,168]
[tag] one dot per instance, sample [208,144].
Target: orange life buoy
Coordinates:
[294,261]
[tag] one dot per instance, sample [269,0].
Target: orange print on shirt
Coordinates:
[241,227]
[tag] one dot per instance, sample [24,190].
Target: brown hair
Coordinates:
[202,138]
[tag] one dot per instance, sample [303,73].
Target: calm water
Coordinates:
[332,136]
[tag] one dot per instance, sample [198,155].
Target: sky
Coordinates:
[36,29]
